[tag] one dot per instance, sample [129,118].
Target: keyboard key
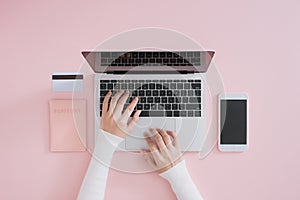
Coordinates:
[152,86]
[131,86]
[117,86]
[134,93]
[149,99]
[160,107]
[155,93]
[164,99]
[139,106]
[167,106]
[192,106]
[197,92]
[162,93]
[157,99]
[171,99]
[183,92]
[169,113]
[146,106]
[138,85]
[169,93]
[165,86]
[190,93]
[190,113]
[187,86]
[195,60]
[176,92]
[104,81]
[124,86]
[185,100]
[196,85]
[102,86]
[181,106]
[110,86]
[179,86]
[158,86]
[148,54]
[130,99]
[162,54]
[148,93]
[153,106]
[156,113]
[197,113]
[178,99]
[169,54]
[174,107]
[142,99]
[173,85]
[141,93]
[189,54]
[145,86]
[183,113]
[194,99]
[134,55]
[176,113]
[103,92]
[144,113]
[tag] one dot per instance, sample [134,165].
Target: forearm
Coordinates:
[181,182]
[94,183]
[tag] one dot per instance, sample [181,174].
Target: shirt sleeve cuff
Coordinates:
[177,172]
[113,139]
[105,146]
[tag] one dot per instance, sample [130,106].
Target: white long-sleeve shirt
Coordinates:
[94,183]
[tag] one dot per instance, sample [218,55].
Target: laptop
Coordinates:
[170,86]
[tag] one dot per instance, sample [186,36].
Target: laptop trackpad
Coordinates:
[136,141]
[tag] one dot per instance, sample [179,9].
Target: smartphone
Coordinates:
[233,122]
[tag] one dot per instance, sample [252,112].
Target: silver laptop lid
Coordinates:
[145,61]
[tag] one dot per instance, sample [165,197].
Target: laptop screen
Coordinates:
[139,61]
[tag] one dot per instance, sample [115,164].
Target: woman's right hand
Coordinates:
[164,150]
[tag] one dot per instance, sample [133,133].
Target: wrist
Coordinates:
[105,146]
[177,172]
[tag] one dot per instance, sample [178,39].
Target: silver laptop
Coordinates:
[170,86]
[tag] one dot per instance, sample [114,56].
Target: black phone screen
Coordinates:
[233,121]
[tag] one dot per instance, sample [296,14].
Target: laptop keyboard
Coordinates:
[150,58]
[159,98]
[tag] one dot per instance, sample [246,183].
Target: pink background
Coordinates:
[257,45]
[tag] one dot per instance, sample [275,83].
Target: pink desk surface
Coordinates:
[257,45]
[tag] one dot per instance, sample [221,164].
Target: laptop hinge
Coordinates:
[150,72]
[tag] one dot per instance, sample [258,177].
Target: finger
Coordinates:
[158,139]
[175,139]
[114,101]
[151,145]
[129,109]
[148,159]
[153,149]
[120,104]
[105,102]
[134,119]
[166,138]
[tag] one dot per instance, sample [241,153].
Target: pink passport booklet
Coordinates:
[67,125]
